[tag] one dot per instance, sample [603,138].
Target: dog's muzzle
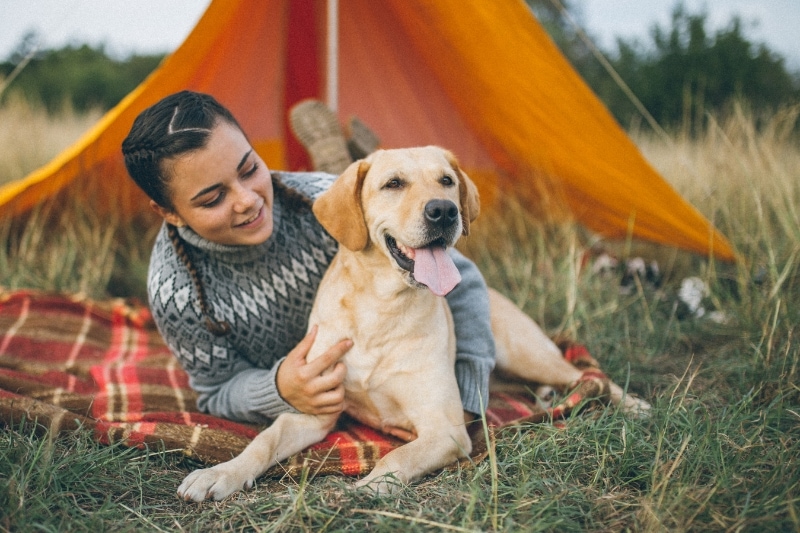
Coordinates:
[430,264]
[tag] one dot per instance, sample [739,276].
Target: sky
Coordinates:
[155,26]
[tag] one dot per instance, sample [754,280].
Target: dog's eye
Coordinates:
[394,183]
[447,181]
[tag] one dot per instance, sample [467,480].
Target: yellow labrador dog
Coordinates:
[395,214]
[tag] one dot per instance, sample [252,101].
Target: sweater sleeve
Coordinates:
[227,385]
[246,394]
[475,349]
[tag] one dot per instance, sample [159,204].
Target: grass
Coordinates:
[30,137]
[719,453]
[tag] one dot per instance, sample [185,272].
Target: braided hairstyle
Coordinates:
[176,125]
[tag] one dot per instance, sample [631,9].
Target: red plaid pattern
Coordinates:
[68,361]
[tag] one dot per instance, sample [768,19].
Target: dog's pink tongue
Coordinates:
[434,268]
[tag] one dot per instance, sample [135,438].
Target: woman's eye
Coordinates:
[251,171]
[214,201]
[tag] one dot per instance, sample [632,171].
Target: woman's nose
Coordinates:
[245,199]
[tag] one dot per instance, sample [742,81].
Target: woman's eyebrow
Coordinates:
[241,163]
[205,191]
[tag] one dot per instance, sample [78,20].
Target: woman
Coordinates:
[237,262]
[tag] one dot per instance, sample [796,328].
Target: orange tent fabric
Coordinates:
[482,79]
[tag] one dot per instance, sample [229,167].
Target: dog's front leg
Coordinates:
[433,449]
[289,434]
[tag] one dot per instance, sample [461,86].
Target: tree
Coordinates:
[685,73]
[691,72]
[83,77]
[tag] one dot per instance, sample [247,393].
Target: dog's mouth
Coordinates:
[429,265]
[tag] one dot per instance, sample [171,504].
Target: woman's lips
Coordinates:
[254,221]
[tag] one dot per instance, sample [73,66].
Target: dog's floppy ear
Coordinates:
[468,194]
[339,208]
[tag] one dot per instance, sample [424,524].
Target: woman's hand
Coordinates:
[314,387]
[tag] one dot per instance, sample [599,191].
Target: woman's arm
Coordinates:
[247,394]
[228,385]
[241,392]
[475,350]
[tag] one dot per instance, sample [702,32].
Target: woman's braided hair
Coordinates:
[176,125]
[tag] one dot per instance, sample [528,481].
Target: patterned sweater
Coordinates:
[265,293]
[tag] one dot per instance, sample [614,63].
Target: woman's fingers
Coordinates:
[331,356]
[314,387]
[328,380]
[330,401]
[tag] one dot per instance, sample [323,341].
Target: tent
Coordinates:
[480,78]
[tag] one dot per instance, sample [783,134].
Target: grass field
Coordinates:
[29,137]
[719,453]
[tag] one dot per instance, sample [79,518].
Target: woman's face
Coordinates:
[223,191]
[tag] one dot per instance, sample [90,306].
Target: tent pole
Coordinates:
[333,55]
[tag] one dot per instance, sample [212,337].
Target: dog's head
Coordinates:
[411,204]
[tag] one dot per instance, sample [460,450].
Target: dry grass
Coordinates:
[742,178]
[29,137]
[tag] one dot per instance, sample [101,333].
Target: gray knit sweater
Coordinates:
[265,293]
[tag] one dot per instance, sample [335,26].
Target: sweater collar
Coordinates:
[235,253]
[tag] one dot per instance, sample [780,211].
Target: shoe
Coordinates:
[317,128]
[361,141]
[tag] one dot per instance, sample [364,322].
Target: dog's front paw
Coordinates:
[636,407]
[217,482]
[381,485]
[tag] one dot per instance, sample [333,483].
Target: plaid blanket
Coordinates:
[69,362]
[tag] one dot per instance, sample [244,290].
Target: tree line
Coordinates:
[82,77]
[684,73]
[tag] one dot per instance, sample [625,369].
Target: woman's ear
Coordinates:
[339,208]
[170,216]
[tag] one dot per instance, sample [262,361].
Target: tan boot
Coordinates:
[361,141]
[317,128]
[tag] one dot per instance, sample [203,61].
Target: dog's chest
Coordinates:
[373,397]
[404,346]
[368,373]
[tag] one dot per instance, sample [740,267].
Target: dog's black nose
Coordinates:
[443,213]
